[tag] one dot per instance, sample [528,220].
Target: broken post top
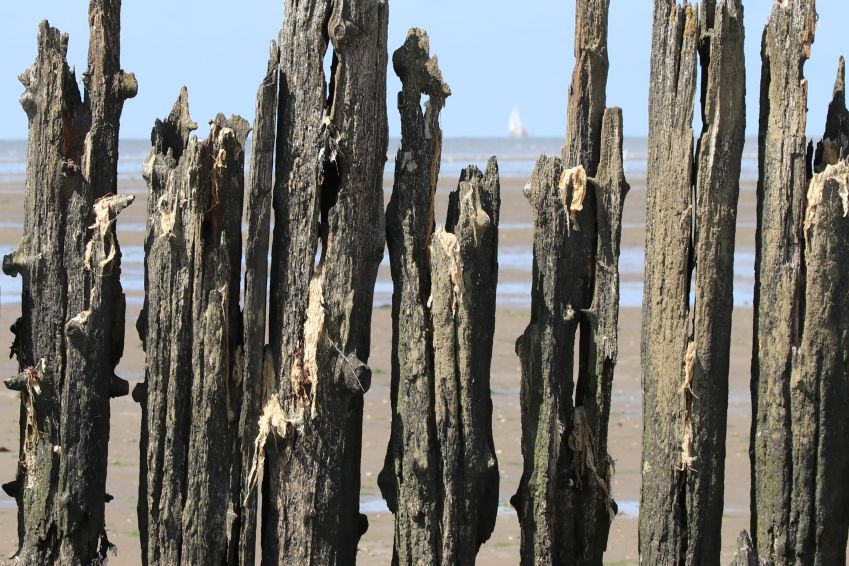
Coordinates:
[418,71]
[835,141]
[172,134]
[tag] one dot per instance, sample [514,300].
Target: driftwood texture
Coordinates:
[190,326]
[71,332]
[691,220]
[780,301]
[440,477]
[327,245]
[564,500]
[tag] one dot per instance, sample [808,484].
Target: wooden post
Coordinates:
[71,333]
[441,474]
[779,276]
[191,327]
[564,500]
[327,245]
[691,223]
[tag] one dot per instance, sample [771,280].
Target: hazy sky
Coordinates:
[495,54]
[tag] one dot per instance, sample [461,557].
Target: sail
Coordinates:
[515,125]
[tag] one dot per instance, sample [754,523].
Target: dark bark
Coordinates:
[328,197]
[190,488]
[780,281]
[691,218]
[255,392]
[71,333]
[564,500]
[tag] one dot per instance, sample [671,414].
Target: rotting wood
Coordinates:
[784,173]
[691,219]
[71,333]
[191,328]
[328,200]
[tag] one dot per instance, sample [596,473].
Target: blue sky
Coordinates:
[495,54]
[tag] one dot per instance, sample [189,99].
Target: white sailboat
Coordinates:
[517,131]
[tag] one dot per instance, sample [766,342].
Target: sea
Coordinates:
[516,159]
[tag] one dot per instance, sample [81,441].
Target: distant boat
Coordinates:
[517,131]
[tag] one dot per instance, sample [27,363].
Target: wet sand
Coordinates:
[511,319]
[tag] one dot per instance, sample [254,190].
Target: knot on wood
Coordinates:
[118,387]
[76,329]
[17,263]
[28,102]
[127,85]
[419,71]
[140,393]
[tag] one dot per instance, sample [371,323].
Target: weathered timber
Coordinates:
[328,199]
[255,392]
[440,477]
[819,381]
[667,430]
[191,329]
[691,218]
[577,470]
[784,173]
[410,480]
[71,334]
[564,500]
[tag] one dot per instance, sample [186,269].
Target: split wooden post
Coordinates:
[190,493]
[691,224]
[440,477]
[326,248]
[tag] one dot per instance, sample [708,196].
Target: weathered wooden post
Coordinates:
[440,478]
[257,363]
[780,281]
[810,517]
[691,224]
[327,245]
[564,499]
[191,328]
[71,333]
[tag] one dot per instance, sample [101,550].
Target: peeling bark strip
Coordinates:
[331,148]
[564,501]
[440,477]
[71,333]
[190,486]
[780,283]
[691,218]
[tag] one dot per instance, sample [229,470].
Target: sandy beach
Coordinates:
[512,317]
